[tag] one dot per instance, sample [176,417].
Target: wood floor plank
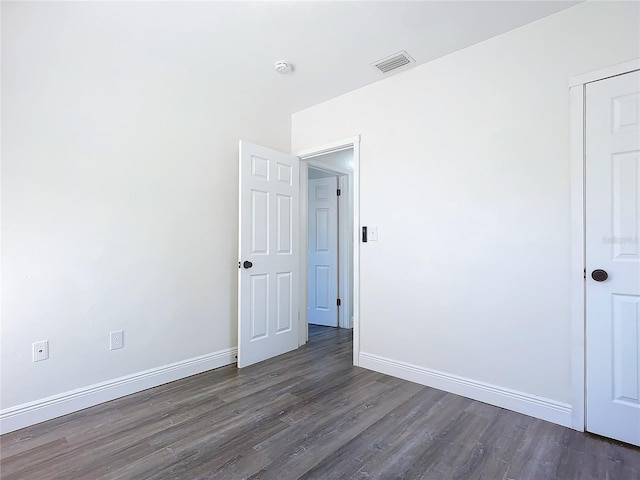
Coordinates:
[415,459]
[379,442]
[494,449]
[308,414]
[318,431]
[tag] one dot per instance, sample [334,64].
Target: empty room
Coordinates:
[320,240]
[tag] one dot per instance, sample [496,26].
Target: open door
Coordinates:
[268,264]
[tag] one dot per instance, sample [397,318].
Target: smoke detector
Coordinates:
[283,67]
[394,61]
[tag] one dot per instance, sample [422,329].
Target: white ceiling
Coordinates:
[332,44]
[229,48]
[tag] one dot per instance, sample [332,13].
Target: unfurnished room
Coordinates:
[320,240]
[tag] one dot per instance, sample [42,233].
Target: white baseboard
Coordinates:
[27,414]
[534,406]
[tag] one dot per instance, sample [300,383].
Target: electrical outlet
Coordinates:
[116,340]
[40,350]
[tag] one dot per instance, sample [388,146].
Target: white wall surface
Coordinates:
[465,171]
[314,174]
[119,194]
[342,159]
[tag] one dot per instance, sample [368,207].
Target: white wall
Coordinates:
[342,159]
[465,171]
[119,194]
[314,173]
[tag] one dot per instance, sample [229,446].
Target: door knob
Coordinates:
[247,264]
[599,275]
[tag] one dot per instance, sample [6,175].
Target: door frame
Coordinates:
[577,99]
[307,157]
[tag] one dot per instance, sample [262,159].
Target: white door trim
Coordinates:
[354,187]
[577,161]
[610,71]
[345,266]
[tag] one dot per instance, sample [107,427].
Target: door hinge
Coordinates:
[339,192]
[339,302]
[584,274]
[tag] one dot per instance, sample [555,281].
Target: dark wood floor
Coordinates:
[308,414]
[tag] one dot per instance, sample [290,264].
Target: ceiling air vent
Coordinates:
[394,61]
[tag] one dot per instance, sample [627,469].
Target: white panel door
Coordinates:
[323,251]
[268,263]
[613,257]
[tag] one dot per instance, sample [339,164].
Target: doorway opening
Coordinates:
[330,291]
[329,240]
[273,244]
